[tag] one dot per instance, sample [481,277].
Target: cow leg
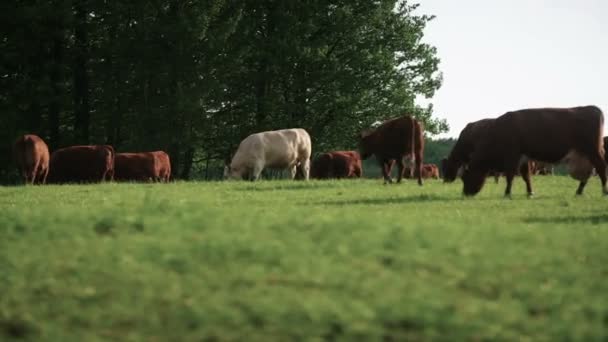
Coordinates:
[45,173]
[525,171]
[509,175]
[418,172]
[256,171]
[387,167]
[581,187]
[305,169]
[293,170]
[600,167]
[400,169]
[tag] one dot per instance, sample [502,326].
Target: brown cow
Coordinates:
[337,164]
[90,163]
[428,171]
[461,153]
[32,157]
[394,140]
[163,165]
[571,135]
[460,156]
[143,166]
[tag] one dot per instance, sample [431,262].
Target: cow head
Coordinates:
[236,173]
[473,180]
[450,170]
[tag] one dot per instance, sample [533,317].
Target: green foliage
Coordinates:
[194,78]
[347,260]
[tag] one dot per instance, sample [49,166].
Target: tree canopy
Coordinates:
[195,77]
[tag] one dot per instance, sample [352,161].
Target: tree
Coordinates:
[194,78]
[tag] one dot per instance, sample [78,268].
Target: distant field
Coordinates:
[320,260]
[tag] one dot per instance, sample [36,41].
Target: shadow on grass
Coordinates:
[591,219]
[390,200]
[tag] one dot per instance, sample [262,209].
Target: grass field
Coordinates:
[318,260]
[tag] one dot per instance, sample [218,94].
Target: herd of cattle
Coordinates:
[523,142]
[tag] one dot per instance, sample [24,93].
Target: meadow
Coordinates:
[317,260]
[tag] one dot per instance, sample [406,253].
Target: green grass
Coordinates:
[281,260]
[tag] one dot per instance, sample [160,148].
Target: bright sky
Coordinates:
[501,55]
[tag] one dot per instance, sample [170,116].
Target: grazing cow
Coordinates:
[283,149]
[32,157]
[461,153]
[460,156]
[428,171]
[90,163]
[143,166]
[337,164]
[395,140]
[570,135]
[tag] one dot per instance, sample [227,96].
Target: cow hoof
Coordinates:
[530,195]
[508,196]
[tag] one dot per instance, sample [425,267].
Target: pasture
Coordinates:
[318,260]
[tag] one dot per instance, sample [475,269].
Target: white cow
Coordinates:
[282,149]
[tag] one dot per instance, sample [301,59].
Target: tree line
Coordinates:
[194,78]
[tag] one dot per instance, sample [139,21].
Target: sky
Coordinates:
[503,55]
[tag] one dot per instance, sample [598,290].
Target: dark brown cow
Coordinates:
[337,164]
[394,140]
[428,171]
[463,149]
[90,163]
[571,135]
[143,166]
[32,157]
[460,156]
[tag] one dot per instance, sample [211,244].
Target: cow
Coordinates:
[282,149]
[85,163]
[163,165]
[142,166]
[32,156]
[428,171]
[468,141]
[460,155]
[337,164]
[394,140]
[552,135]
